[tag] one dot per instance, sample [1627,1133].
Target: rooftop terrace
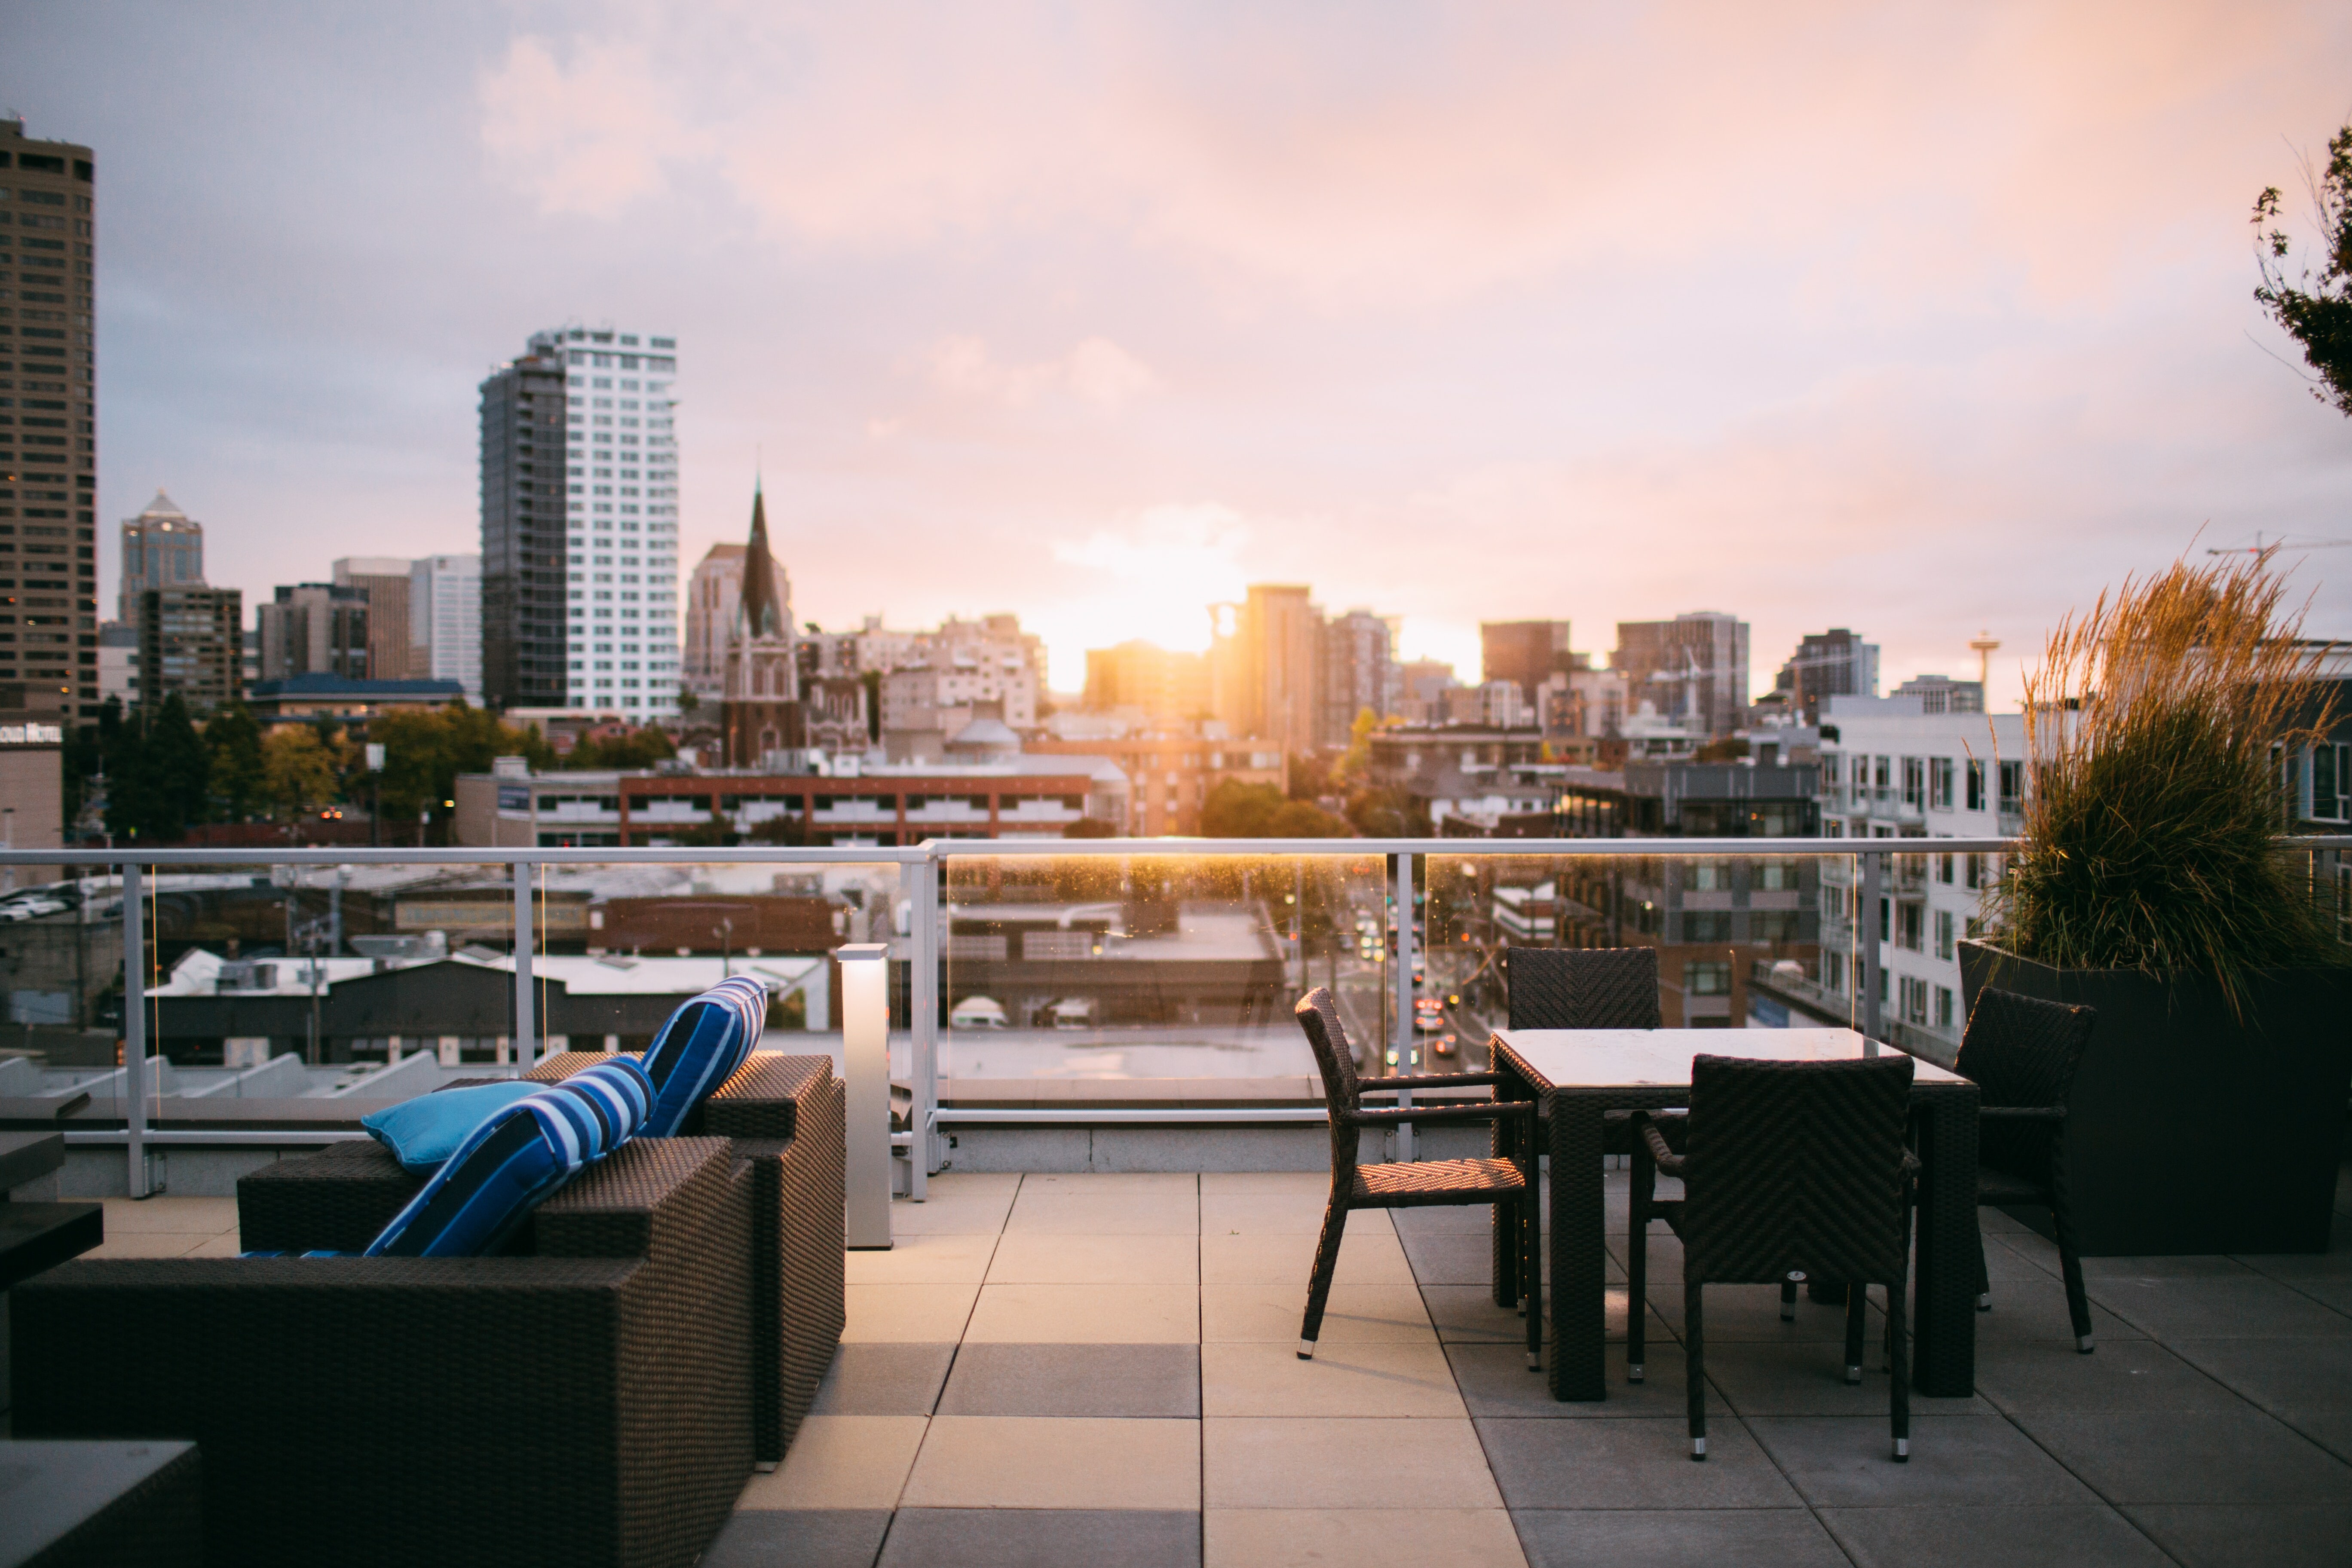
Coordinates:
[1100,1368]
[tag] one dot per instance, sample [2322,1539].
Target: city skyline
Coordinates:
[1390,323]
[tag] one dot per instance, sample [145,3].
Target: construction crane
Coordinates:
[2258,547]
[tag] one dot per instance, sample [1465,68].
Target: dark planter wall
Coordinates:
[2191,1133]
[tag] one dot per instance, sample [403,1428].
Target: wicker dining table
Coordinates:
[1581,1075]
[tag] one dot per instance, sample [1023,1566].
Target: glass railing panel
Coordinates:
[1743,941]
[1158,966]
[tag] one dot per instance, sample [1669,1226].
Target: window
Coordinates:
[1944,868]
[1943,933]
[1915,782]
[1915,1000]
[1939,785]
[1976,785]
[1943,1008]
[1708,979]
[1972,869]
[1913,919]
[1833,971]
[1772,925]
[1709,926]
[1775,875]
[2012,788]
[2331,783]
[1706,876]
[1883,771]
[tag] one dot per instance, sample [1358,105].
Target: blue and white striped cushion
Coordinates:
[700,1048]
[519,1155]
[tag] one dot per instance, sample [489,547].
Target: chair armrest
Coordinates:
[1425,1080]
[1485,1111]
[2025,1112]
[1664,1157]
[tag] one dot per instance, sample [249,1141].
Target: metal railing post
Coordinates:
[134,1029]
[923,999]
[1407,1029]
[1873,957]
[526,1025]
[865,1065]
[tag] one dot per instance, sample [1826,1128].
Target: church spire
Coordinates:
[760,612]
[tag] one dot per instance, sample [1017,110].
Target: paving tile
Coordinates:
[1451,1258]
[1467,1314]
[1278,1214]
[1752,1313]
[883,1379]
[2125,1374]
[2332,1430]
[980,1214]
[1642,1537]
[1360,1463]
[1025,1538]
[1637,1463]
[1074,1380]
[799,1538]
[933,1312]
[955,1258]
[974,1184]
[2237,1306]
[1847,1462]
[1493,1379]
[149,1244]
[1352,1313]
[1810,1380]
[2310,1536]
[2023,1313]
[2183,1266]
[1365,1258]
[217,1246]
[1009,1461]
[1111,1184]
[1084,1314]
[840,1462]
[1343,1380]
[2233,1455]
[2311,1375]
[1360,1537]
[200,1217]
[1443,1219]
[2087,1537]
[1032,1258]
[1313,1183]
[1138,1214]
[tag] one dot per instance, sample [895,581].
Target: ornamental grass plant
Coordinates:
[2155,732]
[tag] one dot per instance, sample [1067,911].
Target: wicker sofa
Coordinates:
[784,1116]
[579,1400]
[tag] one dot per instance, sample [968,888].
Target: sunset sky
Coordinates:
[1916,320]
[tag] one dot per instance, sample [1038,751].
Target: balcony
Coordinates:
[1081,1346]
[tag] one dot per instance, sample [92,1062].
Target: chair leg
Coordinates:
[1637,1260]
[1695,1366]
[1531,1267]
[1789,1297]
[1898,1350]
[1984,1280]
[1857,1318]
[2070,1265]
[1319,1284]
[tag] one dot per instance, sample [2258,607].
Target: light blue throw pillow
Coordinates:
[425,1131]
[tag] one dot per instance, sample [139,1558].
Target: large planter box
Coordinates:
[2190,1132]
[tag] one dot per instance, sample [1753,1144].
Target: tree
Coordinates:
[638,749]
[1310,776]
[155,773]
[1387,813]
[233,770]
[1357,760]
[2316,308]
[1238,810]
[298,769]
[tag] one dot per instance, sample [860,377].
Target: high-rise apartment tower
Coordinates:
[1692,669]
[163,547]
[49,456]
[445,621]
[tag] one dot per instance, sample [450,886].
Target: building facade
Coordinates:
[163,547]
[1692,668]
[48,454]
[1359,673]
[315,628]
[1266,666]
[1835,663]
[384,580]
[1160,687]
[191,643]
[445,621]
[620,518]
[1170,778]
[759,710]
[1527,653]
[712,595]
[1942,694]
[527,643]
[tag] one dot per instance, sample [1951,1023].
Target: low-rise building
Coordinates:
[1170,778]
[299,698]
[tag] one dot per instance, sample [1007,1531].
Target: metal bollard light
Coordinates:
[866,1064]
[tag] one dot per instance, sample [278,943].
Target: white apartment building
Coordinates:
[1890,770]
[621,519]
[445,621]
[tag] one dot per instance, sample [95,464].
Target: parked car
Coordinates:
[977,1013]
[1443,1046]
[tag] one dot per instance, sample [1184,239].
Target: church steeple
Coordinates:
[758,613]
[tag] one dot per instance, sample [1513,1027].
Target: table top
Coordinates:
[1589,1059]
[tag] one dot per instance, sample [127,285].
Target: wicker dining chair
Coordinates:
[1582,987]
[1509,1184]
[2022,1053]
[1791,1168]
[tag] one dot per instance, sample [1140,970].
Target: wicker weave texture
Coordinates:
[1582,987]
[337,1200]
[1795,1165]
[2023,1051]
[363,1410]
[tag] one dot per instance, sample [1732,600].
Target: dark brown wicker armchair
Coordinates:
[1582,987]
[1792,1168]
[1508,1185]
[2022,1053]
